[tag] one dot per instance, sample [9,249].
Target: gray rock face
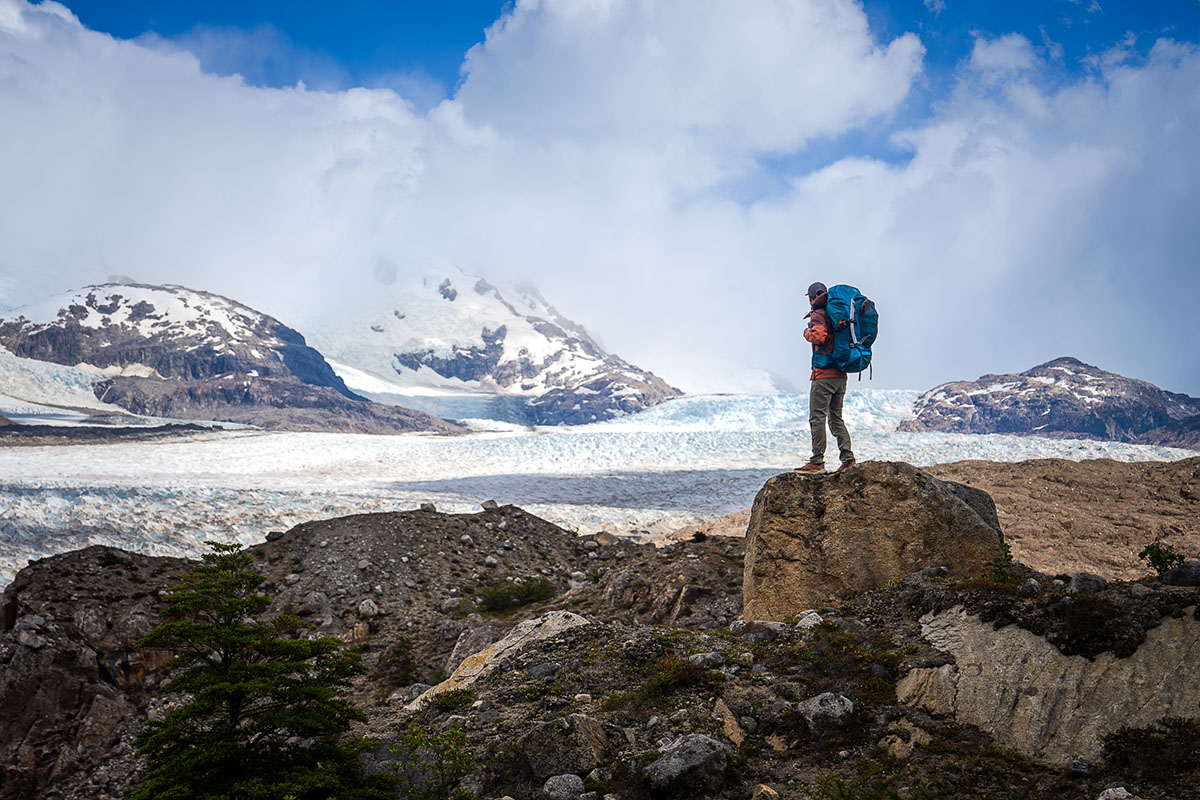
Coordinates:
[71,691]
[573,744]
[1049,707]
[1063,397]
[693,762]
[814,539]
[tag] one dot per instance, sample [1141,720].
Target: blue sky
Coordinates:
[670,173]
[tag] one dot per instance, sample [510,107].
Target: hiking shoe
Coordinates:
[812,468]
[847,465]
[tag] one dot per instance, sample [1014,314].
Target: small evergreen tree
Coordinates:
[262,717]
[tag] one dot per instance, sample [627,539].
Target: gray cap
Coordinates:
[817,289]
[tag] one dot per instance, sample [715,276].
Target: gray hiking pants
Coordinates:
[825,403]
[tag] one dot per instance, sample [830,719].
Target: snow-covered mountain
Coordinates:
[168,351]
[1063,397]
[458,344]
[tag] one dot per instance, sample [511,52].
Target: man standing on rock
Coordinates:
[828,386]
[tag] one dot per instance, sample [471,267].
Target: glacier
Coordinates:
[677,463]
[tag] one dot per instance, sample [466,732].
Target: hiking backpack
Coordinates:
[855,323]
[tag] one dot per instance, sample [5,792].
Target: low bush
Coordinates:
[507,595]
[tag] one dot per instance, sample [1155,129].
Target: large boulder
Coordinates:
[813,539]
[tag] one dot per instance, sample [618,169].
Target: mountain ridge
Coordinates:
[1063,397]
[451,334]
[182,353]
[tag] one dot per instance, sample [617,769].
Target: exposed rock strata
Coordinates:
[1047,706]
[814,539]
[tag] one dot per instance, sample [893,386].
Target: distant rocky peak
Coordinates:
[1063,397]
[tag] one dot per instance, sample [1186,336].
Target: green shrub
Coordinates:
[1161,556]
[1163,753]
[669,673]
[429,766]
[507,595]
[451,699]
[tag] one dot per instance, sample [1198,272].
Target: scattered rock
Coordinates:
[1117,793]
[924,574]
[764,792]
[711,660]
[1030,588]
[563,787]
[1086,583]
[1079,769]
[729,723]
[573,744]
[1186,574]
[902,738]
[429,507]
[693,762]
[368,608]
[824,711]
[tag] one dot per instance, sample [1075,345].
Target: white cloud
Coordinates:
[1010,53]
[588,149]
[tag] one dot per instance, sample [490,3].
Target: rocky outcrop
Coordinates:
[186,354]
[72,686]
[1061,398]
[814,539]
[479,665]
[1048,706]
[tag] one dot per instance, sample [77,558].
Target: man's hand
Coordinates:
[817,334]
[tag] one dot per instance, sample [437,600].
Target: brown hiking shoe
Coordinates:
[847,465]
[812,468]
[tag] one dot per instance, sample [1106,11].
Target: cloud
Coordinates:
[1011,53]
[590,147]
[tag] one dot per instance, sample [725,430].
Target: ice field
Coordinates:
[685,460]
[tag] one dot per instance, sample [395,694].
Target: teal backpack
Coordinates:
[855,324]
